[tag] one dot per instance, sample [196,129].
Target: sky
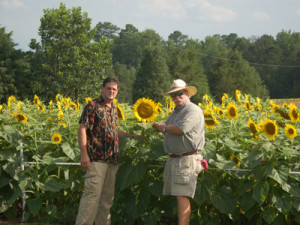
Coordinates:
[195,18]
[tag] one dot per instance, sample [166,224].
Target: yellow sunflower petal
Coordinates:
[290,131]
[269,129]
[231,111]
[145,110]
[56,139]
[20,117]
[120,113]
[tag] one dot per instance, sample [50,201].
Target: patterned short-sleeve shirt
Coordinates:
[102,131]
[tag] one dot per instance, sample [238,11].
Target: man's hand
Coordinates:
[85,161]
[158,126]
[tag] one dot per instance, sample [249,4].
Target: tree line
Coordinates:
[73,58]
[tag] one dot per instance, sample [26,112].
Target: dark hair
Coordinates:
[110,80]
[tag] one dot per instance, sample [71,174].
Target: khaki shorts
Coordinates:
[180,175]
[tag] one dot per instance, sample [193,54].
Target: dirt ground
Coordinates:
[296,101]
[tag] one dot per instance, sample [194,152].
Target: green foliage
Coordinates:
[126,78]
[228,71]
[67,61]
[12,65]
[128,48]
[263,191]
[184,63]
[107,30]
[153,78]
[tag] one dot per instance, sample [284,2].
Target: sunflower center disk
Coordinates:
[270,128]
[145,110]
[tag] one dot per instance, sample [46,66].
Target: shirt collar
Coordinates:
[102,102]
[182,106]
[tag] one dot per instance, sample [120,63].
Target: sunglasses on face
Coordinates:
[173,95]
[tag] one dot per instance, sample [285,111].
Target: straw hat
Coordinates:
[181,85]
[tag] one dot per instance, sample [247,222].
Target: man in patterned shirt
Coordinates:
[98,138]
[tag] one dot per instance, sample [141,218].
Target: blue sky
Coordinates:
[195,18]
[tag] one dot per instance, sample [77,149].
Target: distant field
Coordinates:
[296,101]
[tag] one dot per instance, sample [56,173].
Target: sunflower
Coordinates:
[206,100]
[283,113]
[56,139]
[62,124]
[145,110]
[87,100]
[248,104]
[66,102]
[258,106]
[60,115]
[50,106]
[231,111]
[293,112]
[258,100]
[20,117]
[73,105]
[159,109]
[210,120]
[1,108]
[235,159]
[254,128]
[10,100]
[290,131]
[19,105]
[237,95]
[57,97]
[36,100]
[224,99]
[221,112]
[269,128]
[274,107]
[41,107]
[120,113]
[171,107]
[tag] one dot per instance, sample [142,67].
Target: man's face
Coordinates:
[110,91]
[180,97]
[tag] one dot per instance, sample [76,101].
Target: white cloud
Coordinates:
[12,4]
[260,15]
[176,9]
[209,11]
[298,12]
[167,8]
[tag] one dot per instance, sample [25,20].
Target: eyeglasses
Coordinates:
[173,95]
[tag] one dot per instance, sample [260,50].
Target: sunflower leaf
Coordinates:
[68,150]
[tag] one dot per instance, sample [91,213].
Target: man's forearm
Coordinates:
[172,129]
[124,134]
[82,140]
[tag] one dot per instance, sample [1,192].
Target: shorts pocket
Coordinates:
[181,179]
[183,171]
[184,165]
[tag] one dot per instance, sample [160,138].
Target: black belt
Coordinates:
[184,154]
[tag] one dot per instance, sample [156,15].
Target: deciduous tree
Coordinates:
[71,63]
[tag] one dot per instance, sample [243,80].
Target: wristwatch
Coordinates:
[164,129]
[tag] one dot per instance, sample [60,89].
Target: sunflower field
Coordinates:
[252,147]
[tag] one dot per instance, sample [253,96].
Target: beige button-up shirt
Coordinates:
[188,118]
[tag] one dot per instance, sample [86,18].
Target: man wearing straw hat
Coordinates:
[184,140]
